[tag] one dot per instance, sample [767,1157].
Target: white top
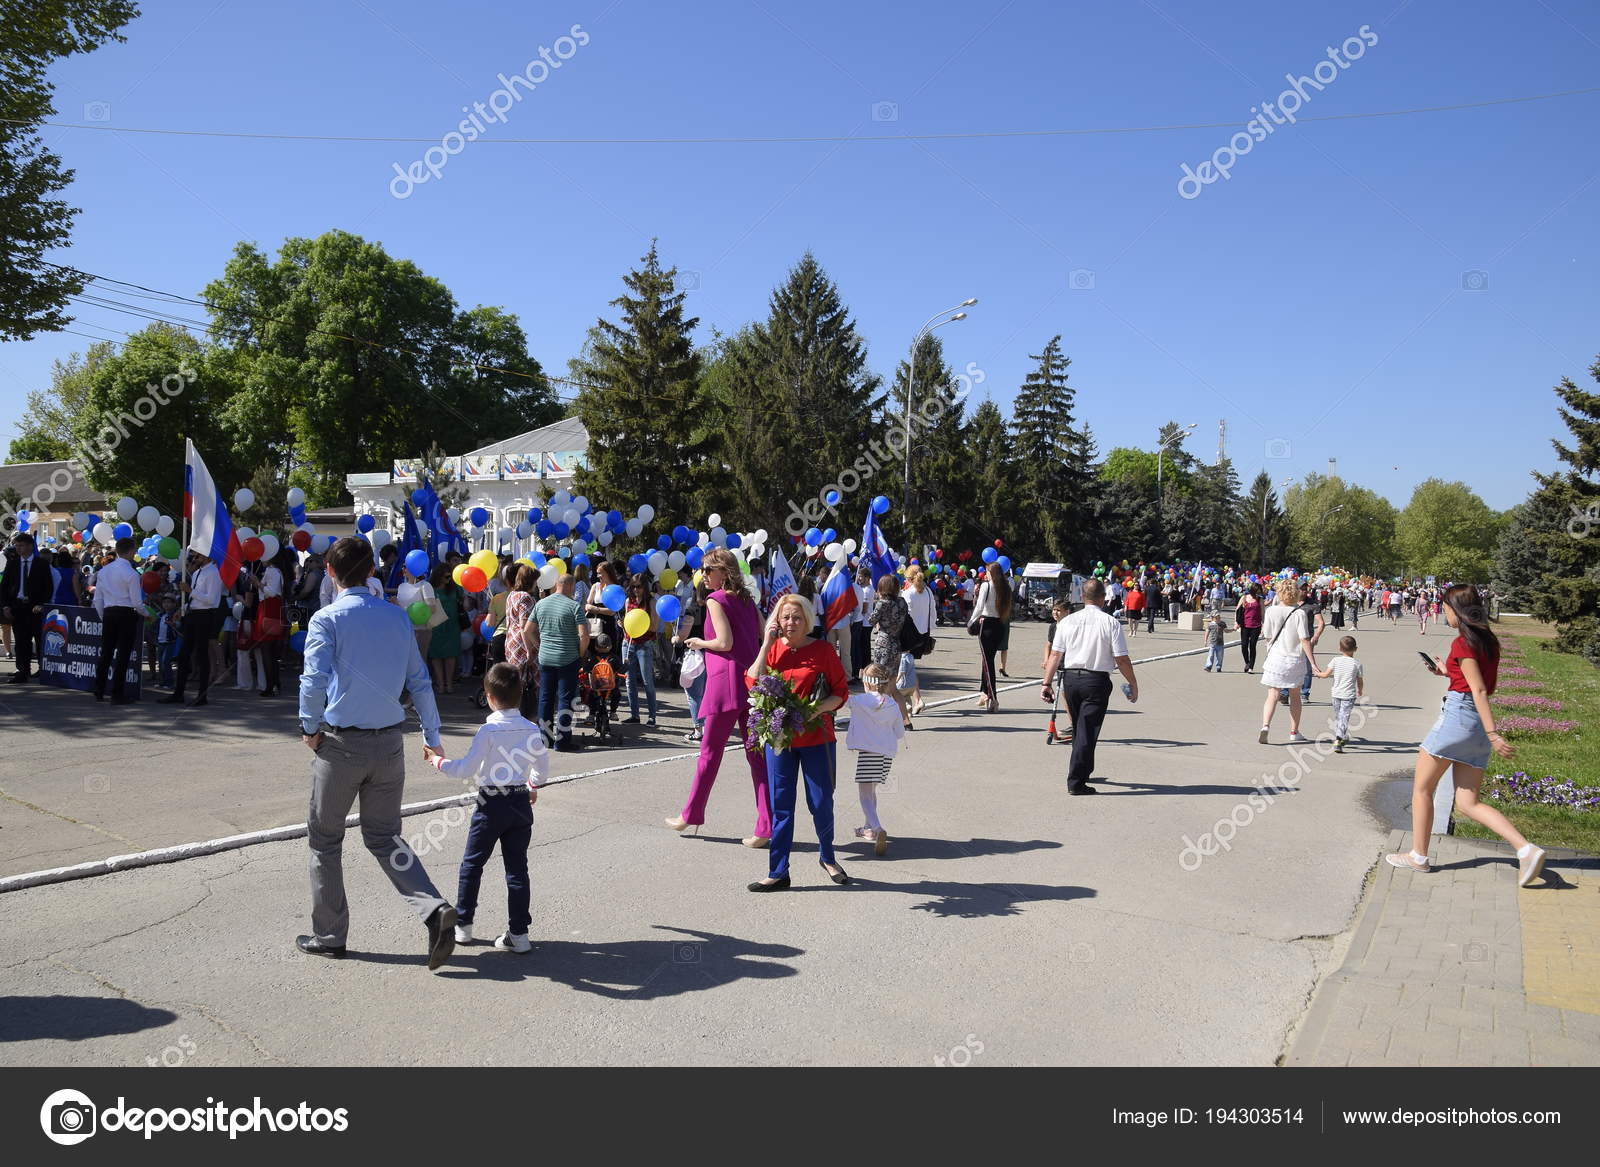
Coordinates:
[271,583]
[205,590]
[410,593]
[117,586]
[875,724]
[329,589]
[986,604]
[863,608]
[920,606]
[507,750]
[1091,638]
[1346,671]
[1273,623]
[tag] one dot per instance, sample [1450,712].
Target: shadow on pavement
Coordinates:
[76,1018]
[972,901]
[906,847]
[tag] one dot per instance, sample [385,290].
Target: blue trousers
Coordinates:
[558,688]
[783,784]
[640,660]
[503,816]
[1214,657]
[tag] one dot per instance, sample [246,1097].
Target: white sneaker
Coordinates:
[1298,739]
[1530,867]
[463,933]
[510,942]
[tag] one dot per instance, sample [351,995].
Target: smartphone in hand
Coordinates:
[1433,665]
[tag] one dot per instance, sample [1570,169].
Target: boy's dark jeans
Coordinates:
[503,816]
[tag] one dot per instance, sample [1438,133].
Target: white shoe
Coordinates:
[463,933]
[1298,739]
[509,942]
[1529,868]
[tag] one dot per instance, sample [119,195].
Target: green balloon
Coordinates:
[419,612]
[168,548]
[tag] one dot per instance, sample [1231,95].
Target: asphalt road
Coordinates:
[1008,925]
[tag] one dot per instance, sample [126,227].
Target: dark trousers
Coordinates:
[1247,645]
[119,637]
[558,687]
[1150,615]
[860,648]
[504,816]
[990,630]
[198,628]
[25,620]
[1088,694]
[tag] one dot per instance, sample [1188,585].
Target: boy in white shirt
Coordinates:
[507,757]
[875,732]
[1349,683]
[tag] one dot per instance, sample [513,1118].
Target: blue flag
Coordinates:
[410,541]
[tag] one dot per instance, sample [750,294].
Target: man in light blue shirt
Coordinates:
[360,655]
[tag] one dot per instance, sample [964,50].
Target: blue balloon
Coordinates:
[693,558]
[615,519]
[544,528]
[833,498]
[813,537]
[667,607]
[123,530]
[880,505]
[584,525]
[829,535]
[613,597]
[479,516]
[297,642]
[365,523]
[538,559]
[565,553]
[990,555]
[580,557]
[417,562]
[561,530]
[535,514]
[664,542]
[636,564]
[419,496]
[733,542]
[680,534]
[1005,562]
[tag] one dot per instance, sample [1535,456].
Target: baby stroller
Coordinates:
[597,681]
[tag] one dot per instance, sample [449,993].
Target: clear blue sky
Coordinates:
[1315,298]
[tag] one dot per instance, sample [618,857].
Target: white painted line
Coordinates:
[298,830]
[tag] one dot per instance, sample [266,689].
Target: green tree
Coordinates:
[1052,471]
[1337,524]
[1200,518]
[941,487]
[33,37]
[991,499]
[1262,531]
[641,388]
[1570,592]
[1446,530]
[1521,562]
[804,408]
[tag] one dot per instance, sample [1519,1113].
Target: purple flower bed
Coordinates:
[1545,791]
[1528,701]
[1536,725]
[1515,671]
[1518,683]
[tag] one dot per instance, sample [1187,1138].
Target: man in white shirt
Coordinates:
[201,622]
[1088,644]
[329,589]
[119,599]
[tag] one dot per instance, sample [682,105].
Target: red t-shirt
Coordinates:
[1134,600]
[1460,649]
[802,668]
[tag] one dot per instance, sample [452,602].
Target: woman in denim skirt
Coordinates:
[1463,737]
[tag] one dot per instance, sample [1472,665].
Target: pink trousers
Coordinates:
[716,728]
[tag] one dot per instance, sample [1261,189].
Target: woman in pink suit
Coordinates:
[733,647]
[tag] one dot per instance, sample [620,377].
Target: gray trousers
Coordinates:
[371,766]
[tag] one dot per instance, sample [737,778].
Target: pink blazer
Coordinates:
[725,689]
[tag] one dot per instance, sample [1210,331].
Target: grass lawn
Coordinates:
[1574,755]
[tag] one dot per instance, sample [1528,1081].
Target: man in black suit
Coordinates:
[26,587]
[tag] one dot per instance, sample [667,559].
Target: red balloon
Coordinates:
[300,540]
[253,548]
[997,543]
[77,536]
[473,579]
[150,581]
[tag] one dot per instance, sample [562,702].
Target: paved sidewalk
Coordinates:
[1461,967]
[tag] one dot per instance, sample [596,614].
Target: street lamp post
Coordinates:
[911,380]
[1161,448]
[1264,499]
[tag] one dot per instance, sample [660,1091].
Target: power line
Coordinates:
[804,139]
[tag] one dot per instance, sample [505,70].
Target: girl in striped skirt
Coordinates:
[875,733]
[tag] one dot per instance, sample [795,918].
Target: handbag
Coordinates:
[910,639]
[436,614]
[691,667]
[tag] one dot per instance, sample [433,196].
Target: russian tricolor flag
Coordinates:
[838,594]
[212,533]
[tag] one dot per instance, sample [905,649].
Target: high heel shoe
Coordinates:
[680,825]
[758,842]
[837,876]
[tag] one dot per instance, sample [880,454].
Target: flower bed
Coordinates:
[1518,683]
[1535,725]
[1528,701]
[1544,791]
[1515,671]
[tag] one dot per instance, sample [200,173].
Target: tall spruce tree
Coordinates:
[939,498]
[1262,530]
[805,411]
[641,388]
[1052,475]
[1570,595]
[990,480]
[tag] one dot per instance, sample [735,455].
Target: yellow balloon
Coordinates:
[487,562]
[455,572]
[560,565]
[636,623]
[668,579]
[526,560]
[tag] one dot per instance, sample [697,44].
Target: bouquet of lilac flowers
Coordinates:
[778,715]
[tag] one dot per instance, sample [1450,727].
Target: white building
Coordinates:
[506,478]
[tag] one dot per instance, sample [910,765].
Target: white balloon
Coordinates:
[714,521]
[245,533]
[102,532]
[243,499]
[454,514]
[505,534]
[560,499]
[524,529]
[657,562]
[126,508]
[548,574]
[439,552]
[850,546]
[703,540]
[647,512]
[604,538]
[269,545]
[633,527]
[380,539]
[296,497]
[308,528]
[834,552]
[147,517]
[676,560]
[570,517]
[164,526]
[758,550]
[718,535]
[582,504]
[80,520]
[238,609]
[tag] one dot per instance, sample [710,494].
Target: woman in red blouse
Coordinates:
[789,650]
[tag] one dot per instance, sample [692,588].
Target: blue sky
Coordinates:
[1316,298]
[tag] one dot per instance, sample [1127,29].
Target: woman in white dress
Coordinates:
[1284,631]
[413,588]
[919,604]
